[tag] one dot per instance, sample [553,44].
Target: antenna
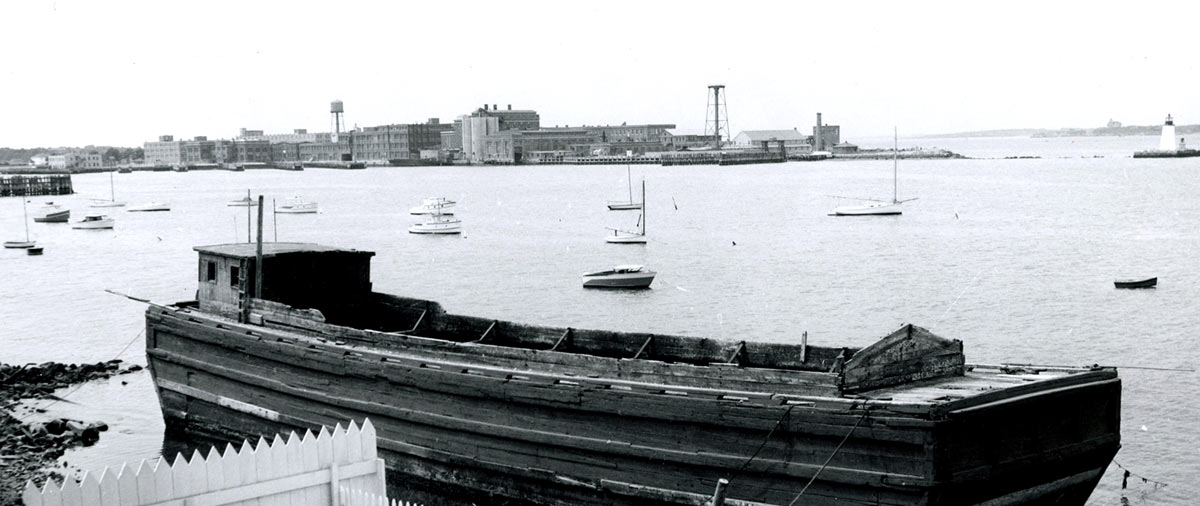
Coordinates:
[714,123]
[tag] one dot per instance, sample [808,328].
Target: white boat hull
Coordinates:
[619,280]
[306,208]
[624,206]
[151,207]
[437,227]
[106,203]
[19,244]
[878,209]
[94,225]
[626,239]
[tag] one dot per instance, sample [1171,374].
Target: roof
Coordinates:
[780,135]
[250,250]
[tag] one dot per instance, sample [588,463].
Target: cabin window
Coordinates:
[212,272]
[234,276]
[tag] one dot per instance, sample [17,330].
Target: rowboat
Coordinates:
[1136,283]
[480,409]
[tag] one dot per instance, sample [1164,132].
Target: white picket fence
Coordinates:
[304,470]
[357,497]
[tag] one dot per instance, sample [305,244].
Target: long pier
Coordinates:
[35,185]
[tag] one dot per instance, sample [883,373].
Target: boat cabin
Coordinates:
[301,275]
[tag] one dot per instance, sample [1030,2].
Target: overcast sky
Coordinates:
[80,72]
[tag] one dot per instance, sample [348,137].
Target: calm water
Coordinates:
[1014,257]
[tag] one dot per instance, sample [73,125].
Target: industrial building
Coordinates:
[397,142]
[792,140]
[486,121]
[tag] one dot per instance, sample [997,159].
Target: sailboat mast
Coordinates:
[895,164]
[629,181]
[643,207]
[112,194]
[26,215]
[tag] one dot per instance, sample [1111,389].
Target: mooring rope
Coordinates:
[63,397]
[828,460]
[764,441]
[1128,473]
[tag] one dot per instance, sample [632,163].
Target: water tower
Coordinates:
[335,119]
[714,123]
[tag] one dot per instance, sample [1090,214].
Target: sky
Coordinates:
[114,72]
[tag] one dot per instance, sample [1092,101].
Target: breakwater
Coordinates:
[35,184]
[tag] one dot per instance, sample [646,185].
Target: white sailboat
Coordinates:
[112,197]
[626,205]
[879,207]
[631,237]
[26,243]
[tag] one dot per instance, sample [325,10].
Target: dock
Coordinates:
[35,184]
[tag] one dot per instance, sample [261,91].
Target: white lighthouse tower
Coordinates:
[1167,141]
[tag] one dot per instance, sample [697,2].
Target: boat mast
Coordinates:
[629,181]
[112,194]
[895,170]
[643,207]
[26,215]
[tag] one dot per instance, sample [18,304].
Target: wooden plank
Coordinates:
[89,489]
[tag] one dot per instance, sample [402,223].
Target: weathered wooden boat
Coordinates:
[494,411]
[1136,283]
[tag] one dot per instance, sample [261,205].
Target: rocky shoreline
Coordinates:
[29,451]
[903,154]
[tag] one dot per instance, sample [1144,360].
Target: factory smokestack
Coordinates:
[817,135]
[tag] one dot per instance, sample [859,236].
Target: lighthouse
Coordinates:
[1167,141]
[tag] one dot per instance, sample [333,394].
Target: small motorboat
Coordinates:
[297,205]
[243,202]
[34,251]
[1136,283]
[94,222]
[151,207]
[434,205]
[437,224]
[621,276]
[52,213]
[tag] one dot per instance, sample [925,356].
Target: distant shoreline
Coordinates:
[1136,130]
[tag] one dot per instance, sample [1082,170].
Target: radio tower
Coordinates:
[716,118]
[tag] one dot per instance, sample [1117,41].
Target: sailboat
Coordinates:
[630,204]
[26,243]
[112,197]
[628,237]
[878,207]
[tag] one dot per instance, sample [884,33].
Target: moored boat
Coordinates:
[621,276]
[479,408]
[94,222]
[297,205]
[52,213]
[1136,283]
[438,225]
[150,207]
[434,205]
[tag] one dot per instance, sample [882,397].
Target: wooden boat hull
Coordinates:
[557,428]
[34,251]
[1139,283]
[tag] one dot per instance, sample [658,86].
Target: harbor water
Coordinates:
[1015,257]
